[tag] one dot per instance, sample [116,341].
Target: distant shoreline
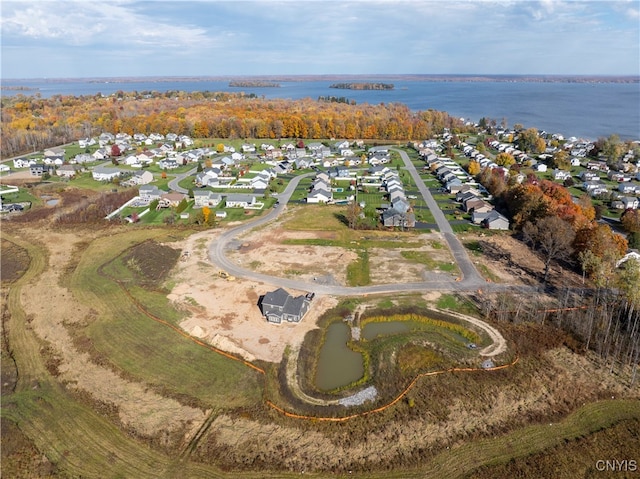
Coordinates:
[333,78]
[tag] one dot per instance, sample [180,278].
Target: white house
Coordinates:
[240,201]
[150,192]
[22,163]
[319,196]
[168,164]
[206,198]
[103,173]
[142,177]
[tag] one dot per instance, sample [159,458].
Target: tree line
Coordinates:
[31,123]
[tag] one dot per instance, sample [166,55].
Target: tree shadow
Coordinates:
[341,218]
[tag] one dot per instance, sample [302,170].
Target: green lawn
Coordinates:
[358,272]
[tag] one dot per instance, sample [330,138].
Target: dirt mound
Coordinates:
[151,260]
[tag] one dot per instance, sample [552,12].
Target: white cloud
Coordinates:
[84,23]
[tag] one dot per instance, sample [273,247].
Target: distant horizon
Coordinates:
[298,76]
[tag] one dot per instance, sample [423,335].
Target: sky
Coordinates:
[109,38]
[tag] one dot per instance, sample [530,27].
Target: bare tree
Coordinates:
[552,237]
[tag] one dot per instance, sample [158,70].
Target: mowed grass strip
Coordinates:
[359,272]
[593,417]
[145,349]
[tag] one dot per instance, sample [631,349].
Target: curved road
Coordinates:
[471,279]
[173,184]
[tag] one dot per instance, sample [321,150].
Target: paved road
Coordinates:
[173,184]
[470,275]
[471,281]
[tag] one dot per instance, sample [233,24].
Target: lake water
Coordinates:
[586,110]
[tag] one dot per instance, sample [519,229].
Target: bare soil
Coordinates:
[226,313]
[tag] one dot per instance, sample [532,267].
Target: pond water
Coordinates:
[52,202]
[338,365]
[373,330]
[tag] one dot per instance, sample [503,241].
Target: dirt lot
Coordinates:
[226,313]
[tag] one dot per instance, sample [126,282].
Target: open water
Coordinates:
[584,110]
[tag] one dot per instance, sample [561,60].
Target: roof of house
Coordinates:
[282,299]
[236,197]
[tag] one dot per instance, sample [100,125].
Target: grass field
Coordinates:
[130,339]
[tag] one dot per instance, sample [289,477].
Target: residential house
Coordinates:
[54,152]
[303,163]
[184,141]
[394,218]
[67,171]
[315,147]
[100,154]
[259,183]
[105,173]
[142,177]
[105,139]
[319,196]
[561,175]
[54,160]
[629,188]
[150,192]
[208,177]
[339,172]
[206,198]
[168,164]
[597,165]
[240,200]
[495,221]
[341,145]
[401,205]
[626,203]
[618,176]
[22,162]
[477,204]
[39,169]
[589,176]
[278,306]
[83,158]
[171,199]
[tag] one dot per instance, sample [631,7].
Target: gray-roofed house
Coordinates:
[392,217]
[104,173]
[206,198]
[240,201]
[495,221]
[278,306]
[150,192]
